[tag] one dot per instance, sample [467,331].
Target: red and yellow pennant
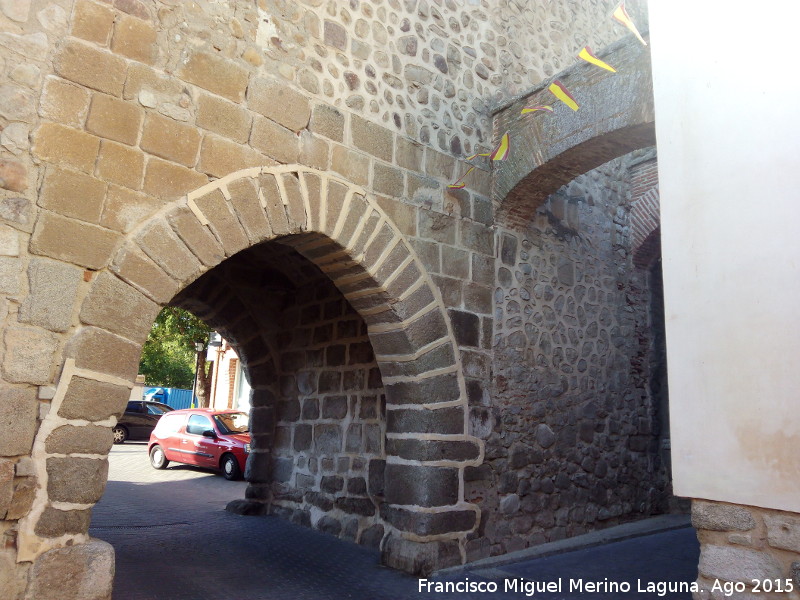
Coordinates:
[501,152]
[460,183]
[530,109]
[559,91]
[587,55]
[478,154]
[621,15]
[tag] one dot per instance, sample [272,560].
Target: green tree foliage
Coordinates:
[168,356]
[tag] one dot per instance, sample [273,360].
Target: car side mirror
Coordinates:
[209,433]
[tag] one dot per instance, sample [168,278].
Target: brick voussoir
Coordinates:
[136,268]
[272,193]
[168,251]
[357,212]
[295,206]
[196,236]
[385,238]
[222,221]
[247,205]
[335,204]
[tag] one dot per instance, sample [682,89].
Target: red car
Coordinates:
[215,439]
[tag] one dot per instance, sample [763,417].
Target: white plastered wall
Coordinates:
[727,98]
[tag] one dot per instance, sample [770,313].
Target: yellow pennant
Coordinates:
[530,109]
[501,152]
[478,154]
[621,15]
[559,91]
[586,54]
[460,183]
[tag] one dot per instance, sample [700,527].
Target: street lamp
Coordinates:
[199,347]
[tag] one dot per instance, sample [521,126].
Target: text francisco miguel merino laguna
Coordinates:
[529,588]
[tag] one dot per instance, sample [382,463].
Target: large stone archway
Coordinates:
[338,227]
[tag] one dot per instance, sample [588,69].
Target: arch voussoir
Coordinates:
[163,246]
[245,199]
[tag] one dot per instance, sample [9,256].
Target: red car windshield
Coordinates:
[233,422]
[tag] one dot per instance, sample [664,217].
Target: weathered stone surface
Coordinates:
[244,507]
[439,388]
[13,175]
[737,564]
[429,523]
[783,531]
[91,67]
[162,245]
[79,572]
[328,122]
[133,266]
[64,102]
[114,119]
[170,181]
[6,485]
[421,486]
[93,400]
[99,350]
[275,141]
[22,500]
[124,209]
[135,39]
[73,194]
[29,355]
[70,439]
[224,118]
[55,523]
[18,411]
[166,138]
[93,22]
[432,450]
[716,516]
[73,241]
[215,74]
[419,558]
[279,103]
[78,480]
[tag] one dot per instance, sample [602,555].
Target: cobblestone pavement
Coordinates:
[174,541]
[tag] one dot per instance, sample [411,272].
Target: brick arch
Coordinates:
[342,230]
[547,151]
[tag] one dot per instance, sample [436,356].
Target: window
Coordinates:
[198,424]
[134,407]
[157,409]
[233,422]
[169,424]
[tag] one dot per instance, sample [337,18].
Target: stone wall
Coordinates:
[329,454]
[574,445]
[740,544]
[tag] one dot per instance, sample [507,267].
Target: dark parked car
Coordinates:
[215,439]
[139,420]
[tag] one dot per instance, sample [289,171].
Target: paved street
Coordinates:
[174,541]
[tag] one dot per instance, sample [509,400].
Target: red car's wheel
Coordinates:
[157,457]
[230,467]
